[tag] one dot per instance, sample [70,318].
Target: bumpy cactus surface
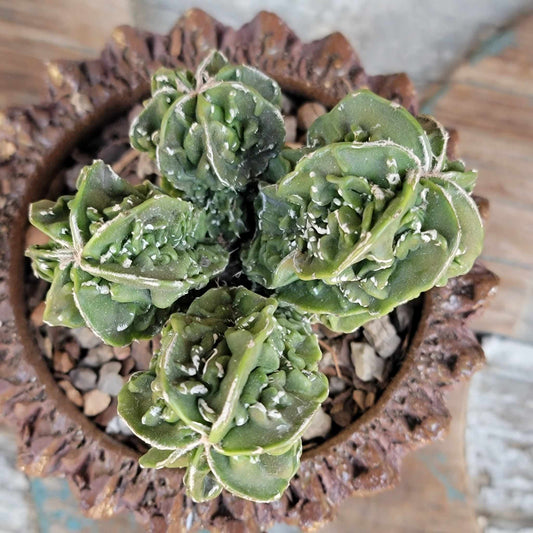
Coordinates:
[229,395]
[211,133]
[373,216]
[119,256]
[365,216]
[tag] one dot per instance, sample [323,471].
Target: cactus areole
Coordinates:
[365,216]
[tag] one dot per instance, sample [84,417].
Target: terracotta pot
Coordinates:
[54,436]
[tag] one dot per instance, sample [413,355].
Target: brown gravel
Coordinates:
[95,401]
[71,392]
[37,315]
[308,113]
[62,361]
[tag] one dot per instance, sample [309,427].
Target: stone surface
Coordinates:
[404,314]
[336,384]
[86,337]
[113,367]
[308,113]
[35,236]
[121,352]
[110,380]
[73,394]
[142,354]
[117,425]
[367,364]
[83,379]
[37,314]
[62,361]
[98,355]
[318,427]
[382,335]
[95,401]
[290,129]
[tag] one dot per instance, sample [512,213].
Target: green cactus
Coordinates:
[211,133]
[370,213]
[120,256]
[229,395]
[371,218]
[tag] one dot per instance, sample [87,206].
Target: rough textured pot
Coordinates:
[54,436]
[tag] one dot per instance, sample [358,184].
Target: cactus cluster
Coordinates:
[212,133]
[232,388]
[120,256]
[365,216]
[371,216]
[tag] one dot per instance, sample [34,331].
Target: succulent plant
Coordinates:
[366,216]
[229,395]
[371,217]
[211,133]
[119,256]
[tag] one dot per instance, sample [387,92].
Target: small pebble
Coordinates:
[319,426]
[342,418]
[336,385]
[37,315]
[111,384]
[295,145]
[98,355]
[308,113]
[62,362]
[71,392]
[122,352]
[382,335]
[327,360]
[110,412]
[73,349]
[112,367]
[47,347]
[83,379]
[145,166]
[118,426]
[290,129]
[404,315]
[359,398]
[85,337]
[35,236]
[370,400]
[365,361]
[142,354]
[95,401]
[287,105]
[127,366]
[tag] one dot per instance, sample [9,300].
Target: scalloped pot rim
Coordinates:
[55,437]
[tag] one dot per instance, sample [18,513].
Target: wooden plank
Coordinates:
[511,70]
[489,99]
[33,32]
[509,234]
[509,310]
[504,167]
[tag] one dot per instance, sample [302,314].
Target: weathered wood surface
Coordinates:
[489,99]
[35,31]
